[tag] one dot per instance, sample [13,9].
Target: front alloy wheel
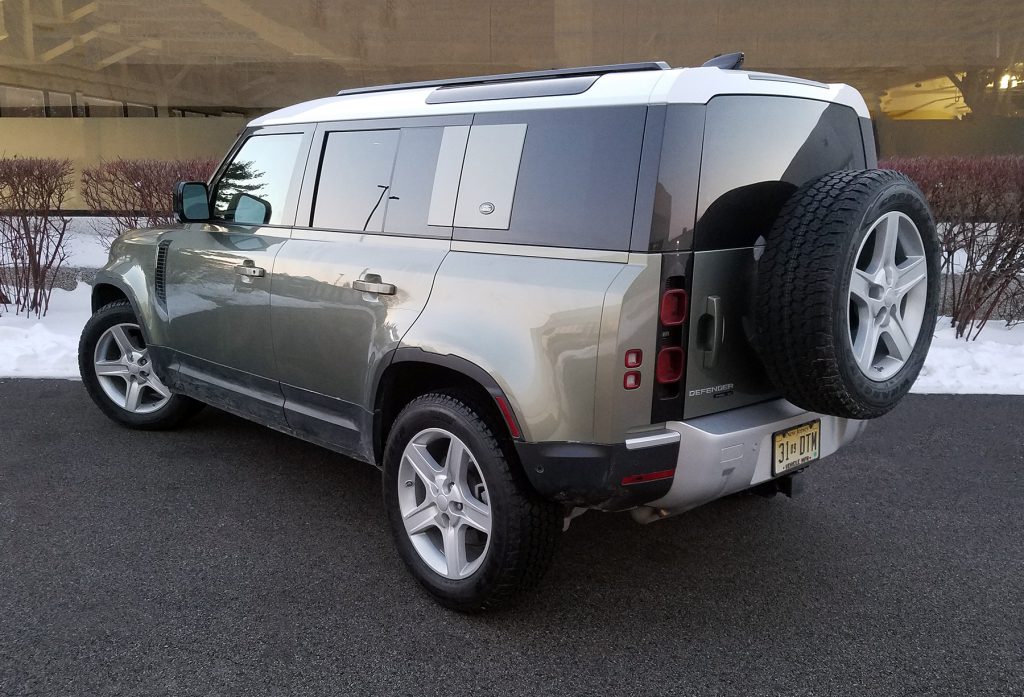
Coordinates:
[118,372]
[125,373]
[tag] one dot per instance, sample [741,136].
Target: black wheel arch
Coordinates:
[411,371]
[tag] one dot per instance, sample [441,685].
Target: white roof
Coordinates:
[676,86]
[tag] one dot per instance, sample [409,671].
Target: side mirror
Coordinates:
[191,201]
[249,210]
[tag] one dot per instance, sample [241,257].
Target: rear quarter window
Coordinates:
[574,184]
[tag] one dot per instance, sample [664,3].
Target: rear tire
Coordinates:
[847,293]
[465,521]
[118,374]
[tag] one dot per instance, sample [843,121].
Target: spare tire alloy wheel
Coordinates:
[124,371]
[888,296]
[847,293]
[443,499]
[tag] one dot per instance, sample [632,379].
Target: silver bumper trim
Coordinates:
[724,453]
[652,439]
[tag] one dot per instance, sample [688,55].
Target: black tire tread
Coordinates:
[798,287]
[177,410]
[535,524]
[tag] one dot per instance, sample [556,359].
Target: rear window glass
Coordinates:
[757,151]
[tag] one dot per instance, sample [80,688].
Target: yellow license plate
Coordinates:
[795,446]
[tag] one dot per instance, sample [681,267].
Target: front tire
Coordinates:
[465,521]
[118,374]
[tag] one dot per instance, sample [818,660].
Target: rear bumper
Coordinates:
[659,473]
[722,454]
[609,477]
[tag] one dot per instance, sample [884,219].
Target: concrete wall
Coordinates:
[87,141]
[984,136]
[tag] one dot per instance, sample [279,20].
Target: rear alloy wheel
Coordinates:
[118,372]
[465,520]
[443,499]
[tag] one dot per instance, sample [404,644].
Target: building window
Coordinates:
[139,110]
[98,107]
[18,101]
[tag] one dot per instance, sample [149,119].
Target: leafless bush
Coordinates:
[137,193]
[32,230]
[979,205]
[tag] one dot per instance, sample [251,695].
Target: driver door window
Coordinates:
[254,188]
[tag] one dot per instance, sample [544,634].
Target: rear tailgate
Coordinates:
[757,151]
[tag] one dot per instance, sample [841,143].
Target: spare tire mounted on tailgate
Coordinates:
[847,293]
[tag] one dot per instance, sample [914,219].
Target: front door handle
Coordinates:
[372,283]
[249,270]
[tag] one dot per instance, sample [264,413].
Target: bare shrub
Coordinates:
[978,203]
[137,193]
[33,232]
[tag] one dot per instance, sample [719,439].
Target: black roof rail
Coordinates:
[511,77]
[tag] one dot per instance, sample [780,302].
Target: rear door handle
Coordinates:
[250,270]
[372,283]
[715,313]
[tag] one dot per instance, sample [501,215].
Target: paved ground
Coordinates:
[225,559]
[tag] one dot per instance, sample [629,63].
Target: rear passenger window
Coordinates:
[413,185]
[355,180]
[571,173]
[396,181]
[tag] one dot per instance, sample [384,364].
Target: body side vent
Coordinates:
[160,274]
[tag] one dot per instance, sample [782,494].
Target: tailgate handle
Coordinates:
[715,317]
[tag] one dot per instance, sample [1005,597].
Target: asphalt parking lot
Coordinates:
[225,559]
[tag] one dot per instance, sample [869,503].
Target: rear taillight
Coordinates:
[670,361]
[673,307]
[669,366]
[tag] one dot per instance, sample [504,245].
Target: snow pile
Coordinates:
[994,364]
[47,347]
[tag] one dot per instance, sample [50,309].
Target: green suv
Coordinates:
[522,296]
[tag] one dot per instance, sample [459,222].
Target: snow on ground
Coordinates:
[47,347]
[83,244]
[994,364]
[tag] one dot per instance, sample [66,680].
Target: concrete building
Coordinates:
[95,79]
